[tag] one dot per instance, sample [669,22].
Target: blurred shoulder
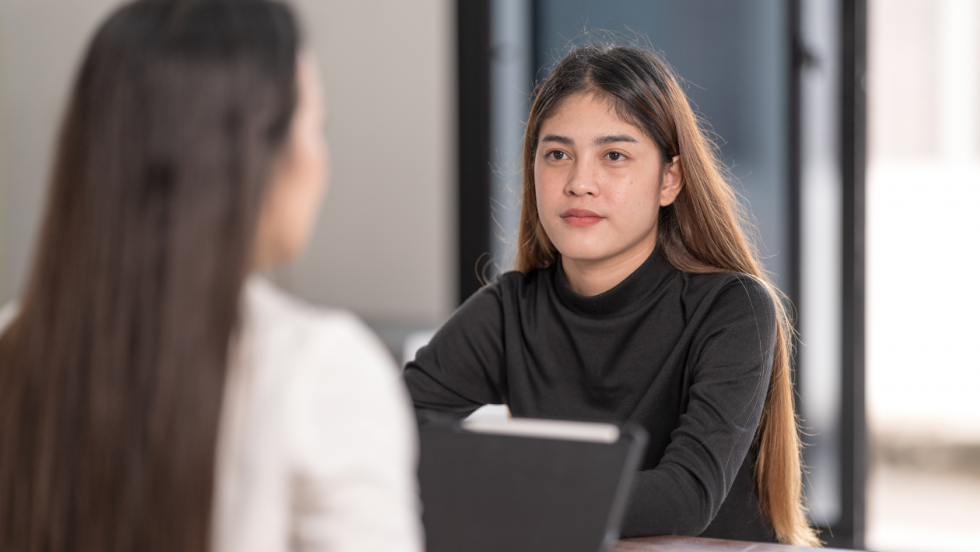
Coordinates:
[297,336]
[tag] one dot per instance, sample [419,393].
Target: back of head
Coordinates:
[111,377]
[702,231]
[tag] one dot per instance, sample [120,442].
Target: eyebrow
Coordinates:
[600,141]
[603,140]
[560,139]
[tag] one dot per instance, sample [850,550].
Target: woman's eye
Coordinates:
[615,156]
[557,155]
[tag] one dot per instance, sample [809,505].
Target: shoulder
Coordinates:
[725,284]
[507,292]
[745,289]
[730,295]
[504,288]
[516,285]
[313,343]
[347,432]
[515,280]
[338,378]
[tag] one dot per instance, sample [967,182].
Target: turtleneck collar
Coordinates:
[624,296]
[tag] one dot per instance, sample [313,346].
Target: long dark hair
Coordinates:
[702,231]
[112,375]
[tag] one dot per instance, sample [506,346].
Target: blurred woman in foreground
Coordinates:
[153,395]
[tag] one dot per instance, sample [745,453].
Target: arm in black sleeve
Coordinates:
[462,368]
[731,357]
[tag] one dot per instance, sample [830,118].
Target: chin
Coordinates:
[583,252]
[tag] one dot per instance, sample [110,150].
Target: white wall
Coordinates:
[41,42]
[385,244]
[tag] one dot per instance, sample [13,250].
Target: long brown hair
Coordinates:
[703,231]
[112,375]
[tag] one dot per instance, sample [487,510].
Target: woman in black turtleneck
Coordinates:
[636,297]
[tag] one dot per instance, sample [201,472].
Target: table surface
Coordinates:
[696,544]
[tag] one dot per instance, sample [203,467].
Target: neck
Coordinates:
[592,277]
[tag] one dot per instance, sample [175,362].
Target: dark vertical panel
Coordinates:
[539,24]
[797,59]
[473,66]
[853,132]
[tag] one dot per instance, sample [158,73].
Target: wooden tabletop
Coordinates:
[696,544]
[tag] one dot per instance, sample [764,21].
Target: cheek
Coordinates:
[304,184]
[548,207]
[325,154]
[639,204]
[547,189]
[313,163]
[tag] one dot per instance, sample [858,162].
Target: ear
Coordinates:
[672,181]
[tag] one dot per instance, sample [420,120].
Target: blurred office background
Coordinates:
[923,255]
[851,127]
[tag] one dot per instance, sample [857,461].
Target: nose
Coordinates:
[583,180]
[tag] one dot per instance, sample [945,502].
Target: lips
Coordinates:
[580,217]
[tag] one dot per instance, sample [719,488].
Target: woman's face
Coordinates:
[299,177]
[600,183]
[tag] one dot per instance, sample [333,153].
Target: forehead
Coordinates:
[588,114]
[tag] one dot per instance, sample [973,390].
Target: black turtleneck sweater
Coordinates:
[686,356]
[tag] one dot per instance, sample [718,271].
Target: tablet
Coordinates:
[526,485]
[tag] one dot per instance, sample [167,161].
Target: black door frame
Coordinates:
[473,139]
[854,433]
[849,530]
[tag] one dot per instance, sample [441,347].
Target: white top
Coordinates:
[317,446]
